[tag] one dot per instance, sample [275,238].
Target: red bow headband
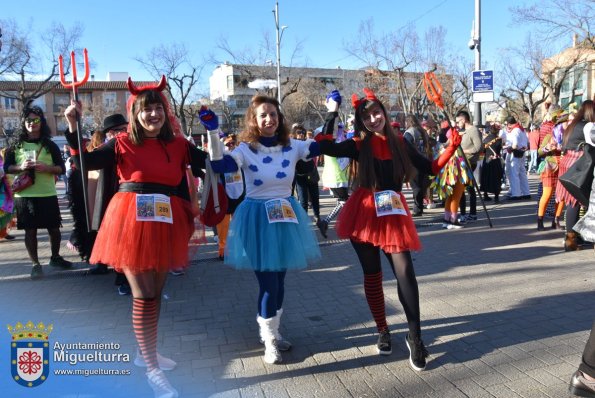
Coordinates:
[137,90]
[370,96]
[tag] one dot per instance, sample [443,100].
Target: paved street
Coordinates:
[505,313]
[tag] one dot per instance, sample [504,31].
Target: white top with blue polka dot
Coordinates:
[269,171]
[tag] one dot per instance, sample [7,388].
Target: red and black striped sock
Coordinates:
[144,324]
[375,298]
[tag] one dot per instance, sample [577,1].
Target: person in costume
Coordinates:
[37,205]
[270,231]
[492,170]
[550,149]
[450,182]
[149,221]
[335,171]
[573,143]
[516,144]
[235,190]
[306,177]
[376,217]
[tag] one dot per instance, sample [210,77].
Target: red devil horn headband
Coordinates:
[137,90]
[370,96]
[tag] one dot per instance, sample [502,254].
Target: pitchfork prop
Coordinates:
[74,85]
[434,92]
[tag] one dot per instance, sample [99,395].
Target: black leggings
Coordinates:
[402,267]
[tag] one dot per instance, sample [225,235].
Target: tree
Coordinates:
[24,60]
[397,61]
[522,93]
[262,54]
[559,18]
[182,77]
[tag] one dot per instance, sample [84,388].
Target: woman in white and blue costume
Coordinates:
[270,232]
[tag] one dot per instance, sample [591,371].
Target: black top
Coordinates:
[576,137]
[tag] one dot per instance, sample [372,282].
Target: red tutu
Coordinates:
[139,246]
[392,233]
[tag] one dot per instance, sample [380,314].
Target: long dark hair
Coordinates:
[144,98]
[251,132]
[45,134]
[363,172]
[586,113]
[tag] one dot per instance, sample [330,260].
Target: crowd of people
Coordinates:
[139,216]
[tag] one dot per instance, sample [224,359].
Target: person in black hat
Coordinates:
[114,124]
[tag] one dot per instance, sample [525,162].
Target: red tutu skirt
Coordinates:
[392,233]
[139,246]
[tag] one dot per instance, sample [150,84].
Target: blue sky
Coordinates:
[322,26]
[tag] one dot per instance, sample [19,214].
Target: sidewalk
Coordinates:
[505,313]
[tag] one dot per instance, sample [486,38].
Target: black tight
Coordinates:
[402,267]
[572,213]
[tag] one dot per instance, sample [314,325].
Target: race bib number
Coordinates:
[153,207]
[234,184]
[388,203]
[280,210]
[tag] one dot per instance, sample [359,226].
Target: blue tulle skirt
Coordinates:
[253,243]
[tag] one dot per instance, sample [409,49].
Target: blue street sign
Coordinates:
[483,80]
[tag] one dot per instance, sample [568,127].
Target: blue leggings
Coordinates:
[272,291]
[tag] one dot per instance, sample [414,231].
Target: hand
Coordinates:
[333,101]
[208,118]
[455,138]
[42,167]
[71,113]
[27,164]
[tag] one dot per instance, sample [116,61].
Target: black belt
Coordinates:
[148,187]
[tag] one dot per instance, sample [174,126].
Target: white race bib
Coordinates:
[153,207]
[280,210]
[388,203]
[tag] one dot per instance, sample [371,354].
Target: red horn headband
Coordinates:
[137,90]
[370,96]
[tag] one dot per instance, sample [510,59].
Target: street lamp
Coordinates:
[280,31]
[475,45]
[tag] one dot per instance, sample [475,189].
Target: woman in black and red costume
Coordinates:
[148,223]
[376,216]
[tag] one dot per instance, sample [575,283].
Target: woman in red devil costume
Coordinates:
[148,223]
[376,217]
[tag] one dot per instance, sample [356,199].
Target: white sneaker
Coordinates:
[164,363]
[160,385]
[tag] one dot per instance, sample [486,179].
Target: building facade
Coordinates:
[99,98]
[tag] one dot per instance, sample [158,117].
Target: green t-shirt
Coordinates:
[45,183]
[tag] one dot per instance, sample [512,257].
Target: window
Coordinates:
[10,103]
[109,100]
[87,100]
[230,82]
[62,99]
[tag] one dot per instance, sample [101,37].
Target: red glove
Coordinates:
[323,137]
[455,141]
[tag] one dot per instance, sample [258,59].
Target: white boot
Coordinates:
[271,353]
[282,344]
[164,363]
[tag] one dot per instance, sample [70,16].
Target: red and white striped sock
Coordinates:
[144,324]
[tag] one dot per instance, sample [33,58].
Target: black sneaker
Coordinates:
[36,271]
[98,269]
[417,353]
[9,237]
[384,346]
[59,262]
[323,227]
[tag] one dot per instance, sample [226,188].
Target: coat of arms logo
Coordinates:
[29,353]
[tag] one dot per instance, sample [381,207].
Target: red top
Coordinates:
[153,161]
[534,139]
[380,148]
